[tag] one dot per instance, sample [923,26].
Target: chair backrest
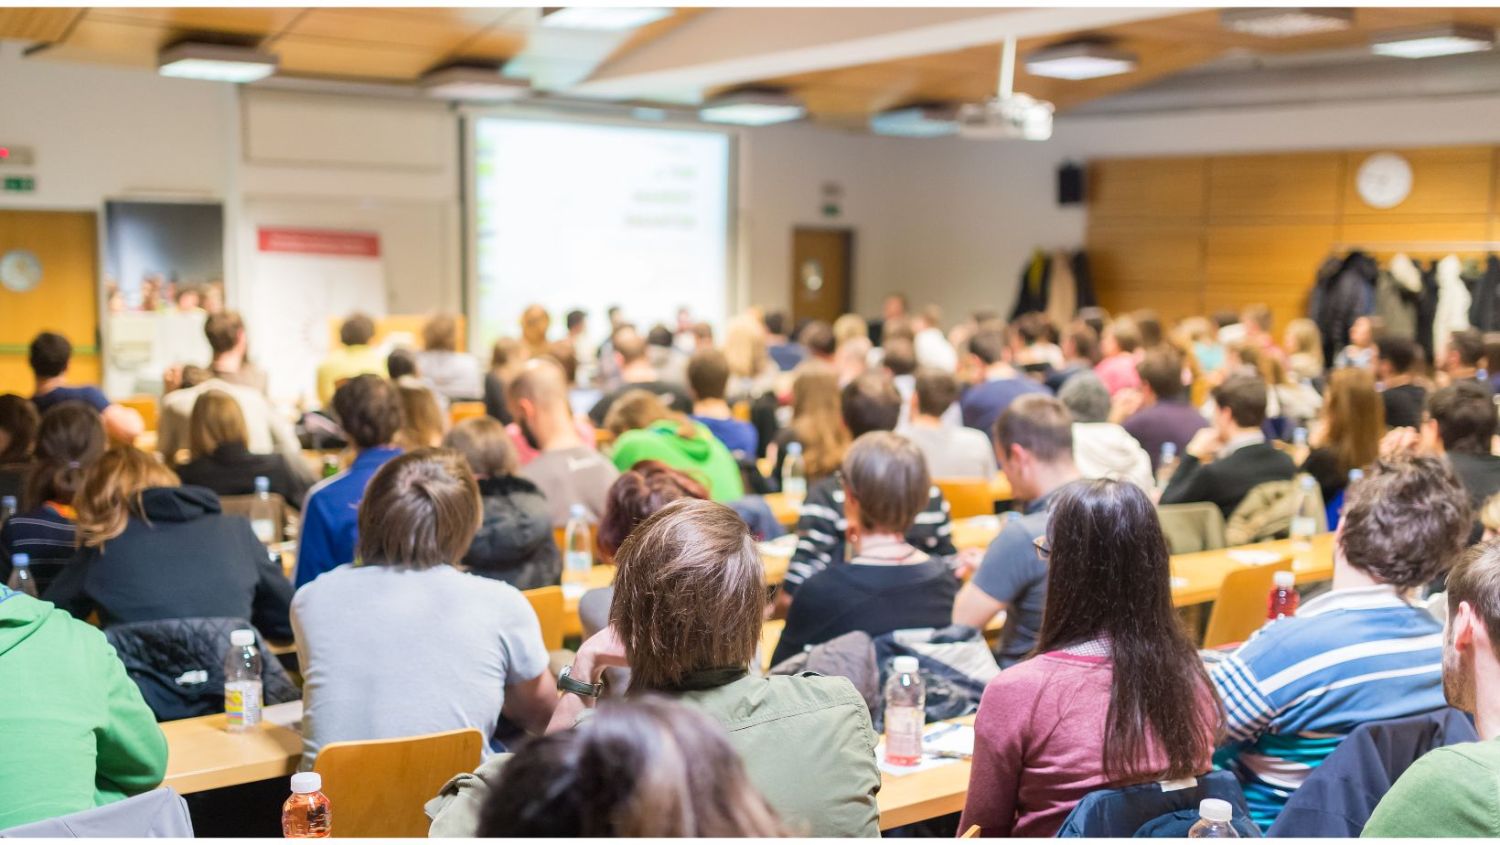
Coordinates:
[1193,527]
[145,405]
[550,607]
[158,813]
[740,411]
[378,787]
[460,411]
[966,496]
[1240,609]
[241,505]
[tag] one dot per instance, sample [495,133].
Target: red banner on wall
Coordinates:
[319,241]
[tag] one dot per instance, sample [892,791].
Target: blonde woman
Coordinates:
[451,373]
[422,421]
[817,425]
[1304,349]
[153,549]
[222,460]
[752,373]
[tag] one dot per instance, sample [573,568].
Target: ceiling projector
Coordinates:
[1005,118]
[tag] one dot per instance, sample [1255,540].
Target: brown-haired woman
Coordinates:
[514,543]
[402,643]
[670,773]
[221,457]
[689,599]
[1115,694]
[817,424]
[153,549]
[18,424]
[1347,433]
[422,421]
[68,441]
[453,374]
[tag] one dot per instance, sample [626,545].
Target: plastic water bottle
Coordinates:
[1355,474]
[307,814]
[578,556]
[242,688]
[1284,597]
[1299,445]
[794,471]
[21,579]
[8,509]
[1305,517]
[1167,466]
[330,466]
[905,713]
[1214,815]
[263,512]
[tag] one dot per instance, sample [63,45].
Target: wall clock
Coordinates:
[1384,180]
[20,270]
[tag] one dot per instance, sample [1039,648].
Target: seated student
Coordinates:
[423,423]
[670,768]
[70,440]
[817,425]
[1462,358]
[1102,449]
[1034,440]
[1228,459]
[1115,693]
[1002,384]
[354,358]
[1460,425]
[638,373]
[869,403]
[686,620]
[1118,345]
[1362,652]
[787,353]
[452,374]
[225,331]
[1395,365]
[153,549]
[708,376]
[49,356]
[1454,791]
[403,643]
[222,460]
[514,542]
[1363,333]
[267,432]
[1163,414]
[646,430]
[402,363]
[1080,352]
[1348,430]
[886,585]
[369,414]
[951,451]
[77,733]
[567,469]
[506,359]
[18,423]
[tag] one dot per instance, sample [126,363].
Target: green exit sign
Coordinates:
[20,184]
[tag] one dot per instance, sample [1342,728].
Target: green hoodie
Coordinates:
[702,456]
[74,730]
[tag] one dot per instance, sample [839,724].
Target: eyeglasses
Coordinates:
[1043,548]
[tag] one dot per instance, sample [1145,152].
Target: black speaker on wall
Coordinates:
[1070,184]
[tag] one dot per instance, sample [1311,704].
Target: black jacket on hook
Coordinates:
[1484,313]
[1342,294]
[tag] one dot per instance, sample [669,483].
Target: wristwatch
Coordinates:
[567,683]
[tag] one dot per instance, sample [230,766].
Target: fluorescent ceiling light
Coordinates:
[752,108]
[215,62]
[1286,22]
[607,18]
[1079,61]
[915,122]
[1449,40]
[473,83]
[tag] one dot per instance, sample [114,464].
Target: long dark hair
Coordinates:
[68,441]
[1109,577]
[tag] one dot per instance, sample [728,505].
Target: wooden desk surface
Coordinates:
[202,755]
[919,796]
[1202,573]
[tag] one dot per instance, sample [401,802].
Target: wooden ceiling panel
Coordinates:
[36,24]
[110,42]
[498,43]
[236,21]
[327,57]
[418,29]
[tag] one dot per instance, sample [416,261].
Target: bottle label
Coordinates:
[265,530]
[1304,526]
[794,486]
[580,562]
[242,704]
[903,735]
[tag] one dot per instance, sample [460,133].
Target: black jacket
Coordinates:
[178,664]
[515,543]
[185,559]
[1345,290]
[1226,480]
[231,471]
[1484,311]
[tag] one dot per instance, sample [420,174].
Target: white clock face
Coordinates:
[20,270]
[1384,180]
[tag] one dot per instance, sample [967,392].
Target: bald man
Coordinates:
[568,471]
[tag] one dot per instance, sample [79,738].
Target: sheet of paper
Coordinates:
[939,737]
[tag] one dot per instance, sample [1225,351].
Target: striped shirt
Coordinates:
[821,526]
[1297,687]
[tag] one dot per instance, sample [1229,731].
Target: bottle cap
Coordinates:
[1299,436]
[1356,474]
[1307,482]
[262,484]
[1169,450]
[1284,580]
[8,502]
[305,782]
[578,511]
[904,665]
[20,559]
[242,637]
[1216,810]
[794,448]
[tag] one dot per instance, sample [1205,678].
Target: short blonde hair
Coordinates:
[850,326]
[422,422]
[485,444]
[216,420]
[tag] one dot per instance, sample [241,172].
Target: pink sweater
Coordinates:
[1118,372]
[1039,745]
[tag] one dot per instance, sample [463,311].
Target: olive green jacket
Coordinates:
[806,742]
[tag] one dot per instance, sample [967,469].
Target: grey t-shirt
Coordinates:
[567,477]
[389,652]
[955,452]
[1011,572]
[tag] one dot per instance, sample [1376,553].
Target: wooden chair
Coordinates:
[740,411]
[1240,609]
[966,496]
[378,787]
[549,606]
[460,411]
[1193,527]
[240,506]
[971,833]
[145,405]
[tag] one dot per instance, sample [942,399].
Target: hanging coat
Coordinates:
[1484,313]
[1427,310]
[1034,283]
[1398,293]
[1083,281]
[1452,305]
[1062,292]
[1340,297]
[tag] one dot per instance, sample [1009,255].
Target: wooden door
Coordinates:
[64,299]
[822,273]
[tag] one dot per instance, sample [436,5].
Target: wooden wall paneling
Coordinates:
[1154,188]
[1445,180]
[1268,263]
[1156,266]
[1370,234]
[65,300]
[1296,185]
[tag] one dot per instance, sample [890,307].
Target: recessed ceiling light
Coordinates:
[923,121]
[1449,40]
[473,83]
[1079,61]
[609,18]
[215,62]
[752,108]
[1286,23]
